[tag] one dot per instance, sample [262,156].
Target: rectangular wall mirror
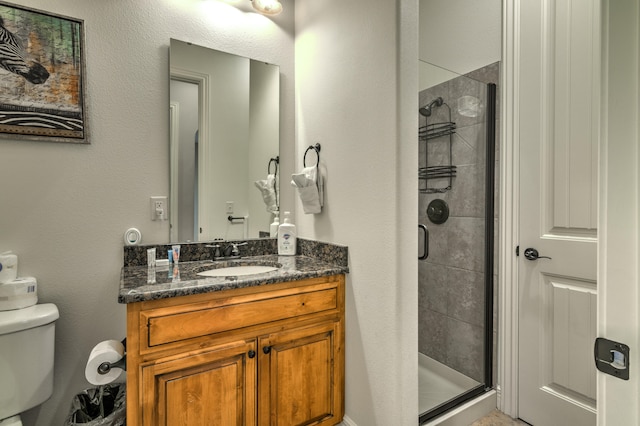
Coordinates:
[224,144]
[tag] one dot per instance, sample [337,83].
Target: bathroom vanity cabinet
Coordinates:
[263,355]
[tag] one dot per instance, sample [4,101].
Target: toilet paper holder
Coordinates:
[105,367]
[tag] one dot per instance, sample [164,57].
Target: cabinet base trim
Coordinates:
[346,421]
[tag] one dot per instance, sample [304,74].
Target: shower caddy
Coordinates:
[434,131]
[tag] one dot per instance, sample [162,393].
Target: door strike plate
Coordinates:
[612,358]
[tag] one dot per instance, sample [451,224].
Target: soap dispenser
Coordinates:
[287,237]
[273,228]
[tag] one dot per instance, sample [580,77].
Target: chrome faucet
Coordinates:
[216,253]
[231,251]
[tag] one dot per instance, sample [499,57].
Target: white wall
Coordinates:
[264,131]
[356,94]
[65,207]
[460,35]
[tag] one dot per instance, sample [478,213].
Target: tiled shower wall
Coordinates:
[451,279]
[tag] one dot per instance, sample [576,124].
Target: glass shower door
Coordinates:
[456,205]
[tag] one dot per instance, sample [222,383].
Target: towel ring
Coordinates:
[315,147]
[275,160]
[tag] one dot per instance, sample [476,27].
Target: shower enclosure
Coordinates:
[457,169]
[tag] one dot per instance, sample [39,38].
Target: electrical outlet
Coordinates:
[159,208]
[229,207]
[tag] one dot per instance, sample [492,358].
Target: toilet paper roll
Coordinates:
[8,267]
[106,351]
[19,293]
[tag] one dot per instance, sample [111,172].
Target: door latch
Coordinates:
[532,254]
[612,358]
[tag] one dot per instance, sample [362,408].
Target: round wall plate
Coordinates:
[438,211]
[132,237]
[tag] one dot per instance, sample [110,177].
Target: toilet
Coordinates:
[26,359]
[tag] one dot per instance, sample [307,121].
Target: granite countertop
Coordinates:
[138,283]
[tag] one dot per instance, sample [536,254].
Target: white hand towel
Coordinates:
[267,188]
[308,183]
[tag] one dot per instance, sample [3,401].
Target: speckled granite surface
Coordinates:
[138,283]
[330,253]
[190,252]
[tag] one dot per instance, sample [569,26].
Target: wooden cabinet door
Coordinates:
[210,388]
[301,376]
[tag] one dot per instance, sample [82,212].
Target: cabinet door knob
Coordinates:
[251,354]
[266,349]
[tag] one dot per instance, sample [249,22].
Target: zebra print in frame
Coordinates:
[25,121]
[42,76]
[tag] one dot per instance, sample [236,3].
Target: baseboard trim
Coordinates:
[346,421]
[469,412]
[460,416]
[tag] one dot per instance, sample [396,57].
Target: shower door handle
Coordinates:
[425,252]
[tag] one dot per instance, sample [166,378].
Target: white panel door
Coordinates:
[559,120]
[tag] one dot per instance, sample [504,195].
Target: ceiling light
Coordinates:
[267,7]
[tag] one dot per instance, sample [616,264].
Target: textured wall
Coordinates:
[65,207]
[356,86]
[460,35]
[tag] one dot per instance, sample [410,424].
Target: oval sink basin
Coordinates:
[234,271]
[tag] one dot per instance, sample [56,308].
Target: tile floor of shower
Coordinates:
[439,384]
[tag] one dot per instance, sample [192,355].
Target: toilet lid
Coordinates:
[26,318]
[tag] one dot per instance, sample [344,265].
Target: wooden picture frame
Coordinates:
[42,76]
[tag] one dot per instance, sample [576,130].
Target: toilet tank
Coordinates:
[26,357]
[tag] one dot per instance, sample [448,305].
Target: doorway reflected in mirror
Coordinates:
[224,119]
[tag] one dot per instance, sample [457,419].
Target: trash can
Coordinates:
[101,406]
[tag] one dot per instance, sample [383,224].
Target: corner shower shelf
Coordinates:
[435,130]
[432,132]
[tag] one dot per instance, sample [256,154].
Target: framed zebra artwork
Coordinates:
[42,76]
